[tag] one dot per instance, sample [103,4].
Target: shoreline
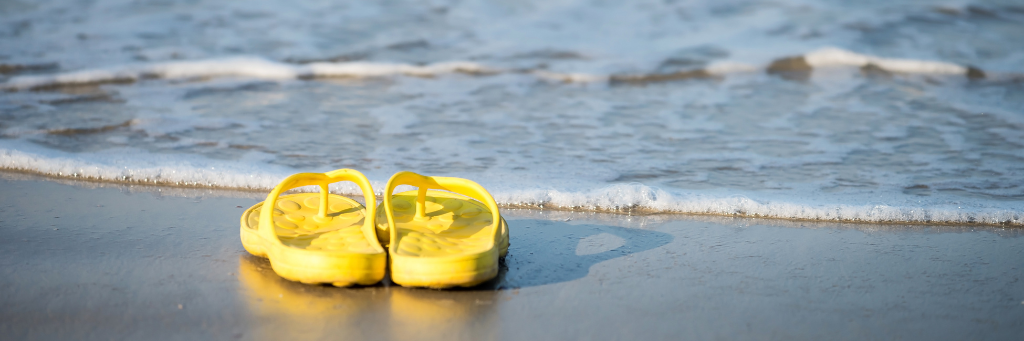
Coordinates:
[259,193]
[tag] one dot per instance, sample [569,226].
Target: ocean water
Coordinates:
[881,111]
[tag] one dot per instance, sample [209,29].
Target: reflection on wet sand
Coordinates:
[543,252]
[280,309]
[430,314]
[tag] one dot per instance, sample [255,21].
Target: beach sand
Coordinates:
[84,261]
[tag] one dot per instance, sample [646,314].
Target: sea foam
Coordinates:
[129,166]
[256,67]
[832,56]
[250,67]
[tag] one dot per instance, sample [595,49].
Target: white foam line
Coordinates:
[388,69]
[622,197]
[724,68]
[569,77]
[148,169]
[145,169]
[183,174]
[262,68]
[240,67]
[831,56]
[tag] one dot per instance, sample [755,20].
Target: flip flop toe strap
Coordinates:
[455,185]
[266,225]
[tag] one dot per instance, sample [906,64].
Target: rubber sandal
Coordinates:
[442,237]
[317,237]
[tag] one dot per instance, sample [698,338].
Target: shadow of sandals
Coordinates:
[547,252]
[542,252]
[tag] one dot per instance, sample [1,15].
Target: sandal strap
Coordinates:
[456,185]
[266,227]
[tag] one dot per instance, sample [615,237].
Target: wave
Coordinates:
[256,67]
[150,169]
[827,57]
[252,67]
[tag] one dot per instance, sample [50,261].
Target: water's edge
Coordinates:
[192,190]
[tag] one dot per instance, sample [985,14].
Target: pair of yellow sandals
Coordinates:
[447,233]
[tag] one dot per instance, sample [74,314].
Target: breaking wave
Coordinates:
[256,67]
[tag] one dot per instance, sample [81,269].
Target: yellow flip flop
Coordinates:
[317,237]
[441,236]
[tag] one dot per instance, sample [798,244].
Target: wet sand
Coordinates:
[88,261]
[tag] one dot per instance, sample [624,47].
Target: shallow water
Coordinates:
[659,106]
